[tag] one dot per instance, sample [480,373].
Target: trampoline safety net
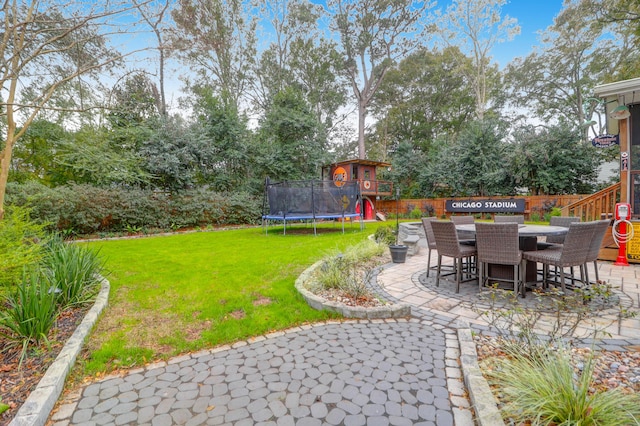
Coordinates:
[311,200]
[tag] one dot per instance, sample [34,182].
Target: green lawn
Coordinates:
[181,293]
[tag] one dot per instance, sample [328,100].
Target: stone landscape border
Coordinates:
[389,310]
[36,409]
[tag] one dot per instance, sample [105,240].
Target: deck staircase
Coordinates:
[595,207]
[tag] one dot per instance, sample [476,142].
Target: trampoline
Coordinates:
[310,201]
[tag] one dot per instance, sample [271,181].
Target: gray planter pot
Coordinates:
[398,253]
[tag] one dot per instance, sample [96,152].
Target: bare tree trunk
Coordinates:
[362,115]
[5,155]
[163,100]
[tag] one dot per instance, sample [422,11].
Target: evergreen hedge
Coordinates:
[86,209]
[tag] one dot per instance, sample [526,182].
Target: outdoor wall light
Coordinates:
[620,112]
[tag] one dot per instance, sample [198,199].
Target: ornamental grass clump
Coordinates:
[348,272]
[30,313]
[546,390]
[72,271]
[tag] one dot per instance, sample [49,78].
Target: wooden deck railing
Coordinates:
[376,187]
[595,206]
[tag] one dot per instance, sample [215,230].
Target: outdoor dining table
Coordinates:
[528,236]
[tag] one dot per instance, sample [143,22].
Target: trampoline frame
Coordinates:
[311,216]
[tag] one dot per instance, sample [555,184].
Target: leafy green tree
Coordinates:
[316,67]
[408,162]
[374,35]
[553,160]
[34,153]
[425,96]
[620,11]
[475,164]
[556,81]
[293,22]
[217,38]
[134,101]
[291,141]
[100,157]
[475,27]
[171,154]
[48,45]
[226,163]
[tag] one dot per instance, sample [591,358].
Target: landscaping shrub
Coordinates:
[30,312]
[385,235]
[544,390]
[342,271]
[72,272]
[19,245]
[415,213]
[85,209]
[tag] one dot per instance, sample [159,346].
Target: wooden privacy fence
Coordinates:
[436,206]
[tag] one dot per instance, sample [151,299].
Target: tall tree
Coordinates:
[293,21]
[218,39]
[316,67]
[154,14]
[626,11]
[478,158]
[476,26]
[424,97]
[553,160]
[558,78]
[133,101]
[225,152]
[292,147]
[46,45]
[374,35]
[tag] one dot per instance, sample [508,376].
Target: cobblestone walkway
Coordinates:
[396,372]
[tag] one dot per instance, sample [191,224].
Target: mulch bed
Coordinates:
[18,381]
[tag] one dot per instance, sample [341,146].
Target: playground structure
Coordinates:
[366,173]
[311,201]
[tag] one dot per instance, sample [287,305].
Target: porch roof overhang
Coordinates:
[362,162]
[625,90]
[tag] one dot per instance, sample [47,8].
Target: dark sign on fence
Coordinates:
[512,205]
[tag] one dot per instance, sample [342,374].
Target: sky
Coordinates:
[533,16]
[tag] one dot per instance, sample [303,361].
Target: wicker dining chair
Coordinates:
[467,238]
[463,220]
[601,228]
[447,244]
[498,244]
[509,219]
[563,221]
[431,239]
[572,253]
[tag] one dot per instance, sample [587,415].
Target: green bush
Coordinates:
[72,271]
[415,213]
[385,235]
[30,313]
[340,271]
[85,209]
[19,244]
[534,217]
